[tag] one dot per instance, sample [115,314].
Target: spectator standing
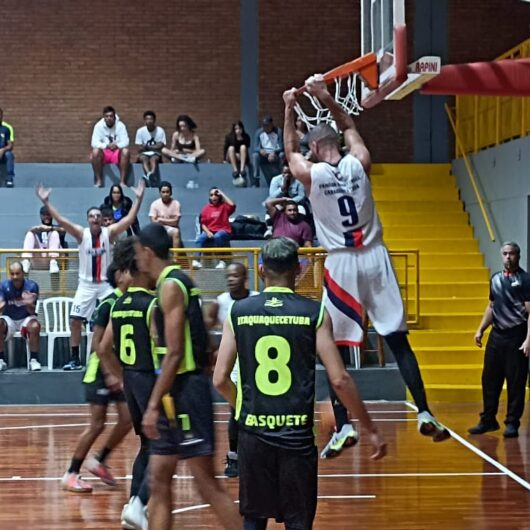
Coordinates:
[7,157]
[18,302]
[215,223]
[166,212]
[508,346]
[110,142]
[45,236]
[121,206]
[185,143]
[288,222]
[235,151]
[150,139]
[267,153]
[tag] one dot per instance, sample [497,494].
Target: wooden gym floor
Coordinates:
[464,483]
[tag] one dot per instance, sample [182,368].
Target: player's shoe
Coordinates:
[74,483]
[72,365]
[101,471]
[429,426]
[346,437]
[134,514]
[232,466]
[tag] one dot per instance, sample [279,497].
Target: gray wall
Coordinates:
[503,175]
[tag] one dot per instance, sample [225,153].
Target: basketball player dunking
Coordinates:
[357,272]
[95,243]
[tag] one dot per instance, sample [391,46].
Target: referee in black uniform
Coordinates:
[276,336]
[508,346]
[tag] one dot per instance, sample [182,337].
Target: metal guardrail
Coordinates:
[486,121]
[211,280]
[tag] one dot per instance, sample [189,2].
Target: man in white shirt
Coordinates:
[150,139]
[110,143]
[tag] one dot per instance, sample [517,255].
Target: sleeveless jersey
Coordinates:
[275,334]
[94,256]
[101,318]
[195,334]
[133,344]
[343,206]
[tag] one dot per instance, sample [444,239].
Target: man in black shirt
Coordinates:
[508,345]
[277,334]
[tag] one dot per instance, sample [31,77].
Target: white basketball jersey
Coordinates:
[94,256]
[343,206]
[224,300]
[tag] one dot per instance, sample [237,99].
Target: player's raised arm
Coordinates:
[317,87]
[345,387]
[299,166]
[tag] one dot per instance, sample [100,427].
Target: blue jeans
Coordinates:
[219,239]
[9,160]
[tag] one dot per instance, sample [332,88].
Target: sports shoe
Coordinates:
[221,265]
[9,183]
[190,185]
[232,467]
[239,182]
[196,264]
[268,233]
[102,471]
[145,178]
[429,426]
[134,514]
[54,266]
[346,437]
[74,483]
[510,431]
[34,365]
[190,159]
[3,365]
[72,365]
[26,265]
[481,428]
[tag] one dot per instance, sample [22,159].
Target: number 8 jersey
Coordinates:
[343,206]
[275,334]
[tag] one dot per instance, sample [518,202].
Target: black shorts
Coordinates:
[97,393]
[277,483]
[137,387]
[191,433]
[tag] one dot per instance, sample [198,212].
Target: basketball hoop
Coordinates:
[344,79]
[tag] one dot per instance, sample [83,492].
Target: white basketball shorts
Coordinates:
[357,279]
[86,297]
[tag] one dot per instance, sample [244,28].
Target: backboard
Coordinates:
[384,32]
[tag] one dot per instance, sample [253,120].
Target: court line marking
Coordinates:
[495,463]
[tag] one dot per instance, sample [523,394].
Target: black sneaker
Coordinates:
[9,183]
[482,428]
[231,469]
[510,431]
[72,365]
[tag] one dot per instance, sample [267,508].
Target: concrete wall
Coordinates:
[503,175]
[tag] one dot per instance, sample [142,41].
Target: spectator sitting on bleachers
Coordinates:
[150,139]
[215,223]
[44,236]
[267,153]
[7,139]
[18,301]
[288,222]
[120,205]
[166,212]
[303,136]
[110,142]
[185,143]
[235,151]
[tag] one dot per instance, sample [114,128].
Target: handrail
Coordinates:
[470,173]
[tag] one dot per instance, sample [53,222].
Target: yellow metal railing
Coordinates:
[211,280]
[485,121]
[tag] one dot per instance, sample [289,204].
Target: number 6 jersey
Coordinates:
[275,334]
[343,206]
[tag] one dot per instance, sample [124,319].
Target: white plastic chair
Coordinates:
[56,321]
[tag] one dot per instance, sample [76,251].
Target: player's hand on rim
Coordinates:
[289,97]
[316,86]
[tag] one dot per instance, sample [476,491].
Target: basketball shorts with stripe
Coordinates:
[357,279]
[137,387]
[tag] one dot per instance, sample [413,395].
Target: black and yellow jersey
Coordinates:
[195,334]
[131,317]
[275,334]
[101,318]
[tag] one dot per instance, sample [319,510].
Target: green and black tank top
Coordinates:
[275,334]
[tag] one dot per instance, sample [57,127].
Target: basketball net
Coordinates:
[345,96]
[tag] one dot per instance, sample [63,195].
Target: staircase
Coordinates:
[420,209]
